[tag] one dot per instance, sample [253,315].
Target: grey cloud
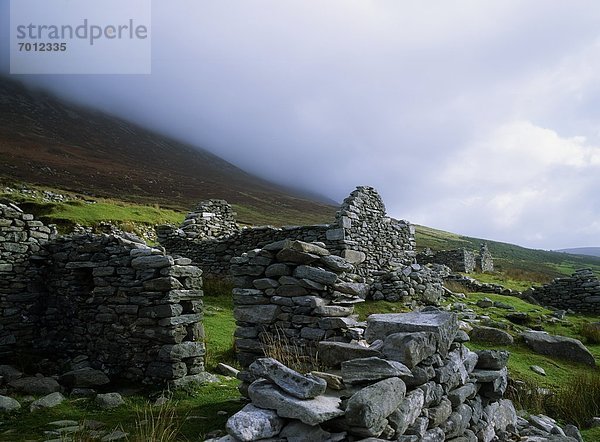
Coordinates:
[328,95]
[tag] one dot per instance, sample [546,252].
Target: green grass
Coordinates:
[219,324]
[286,216]
[88,212]
[197,412]
[502,279]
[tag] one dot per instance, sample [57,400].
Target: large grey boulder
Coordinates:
[491,335]
[310,411]
[502,415]
[9,373]
[374,403]
[443,325]
[251,423]
[84,378]
[409,348]
[298,385]
[35,385]
[492,359]
[332,354]
[8,404]
[371,369]
[558,346]
[109,400]
[49,401]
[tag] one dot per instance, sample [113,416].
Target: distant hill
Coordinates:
[520,262]
[49,142]
[590,251]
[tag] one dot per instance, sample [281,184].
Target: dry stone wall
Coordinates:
[293,293]
[21,238]
[413,380]
[580,292]
[362,233]
[459,260]
[129,310]
[411,285]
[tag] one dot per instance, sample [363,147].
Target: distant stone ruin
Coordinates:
[580,292]
[123,307]
[361,233]
[460,260]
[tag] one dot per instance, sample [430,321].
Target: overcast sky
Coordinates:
[477,117]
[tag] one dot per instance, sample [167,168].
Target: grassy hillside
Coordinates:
[53,143]
[88,211]
[528,264]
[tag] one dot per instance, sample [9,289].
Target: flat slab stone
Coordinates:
[310,411]
[332,354]
[443,324]
[298,385]
[558,346]
[372,369]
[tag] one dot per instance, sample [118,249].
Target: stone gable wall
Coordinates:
[362,233]
[459,260]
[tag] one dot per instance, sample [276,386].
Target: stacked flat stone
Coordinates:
[412,285]
[127,309]
[210,219]
[214,255]
[361,233]
[413,383]
[474,285]
[293,289]
[20,238]
[580,292]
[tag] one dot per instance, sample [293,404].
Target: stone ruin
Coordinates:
[361,232]
[306,294]
[580,292]
[412,380]
[100,302]
[405,377]
[460,260]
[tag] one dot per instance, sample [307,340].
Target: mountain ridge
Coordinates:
[587,251]
[48,141]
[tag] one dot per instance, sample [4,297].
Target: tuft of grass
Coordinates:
[280,347]
[578,401]
[157,424]
[527,395]
[456,287]
[591,332]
